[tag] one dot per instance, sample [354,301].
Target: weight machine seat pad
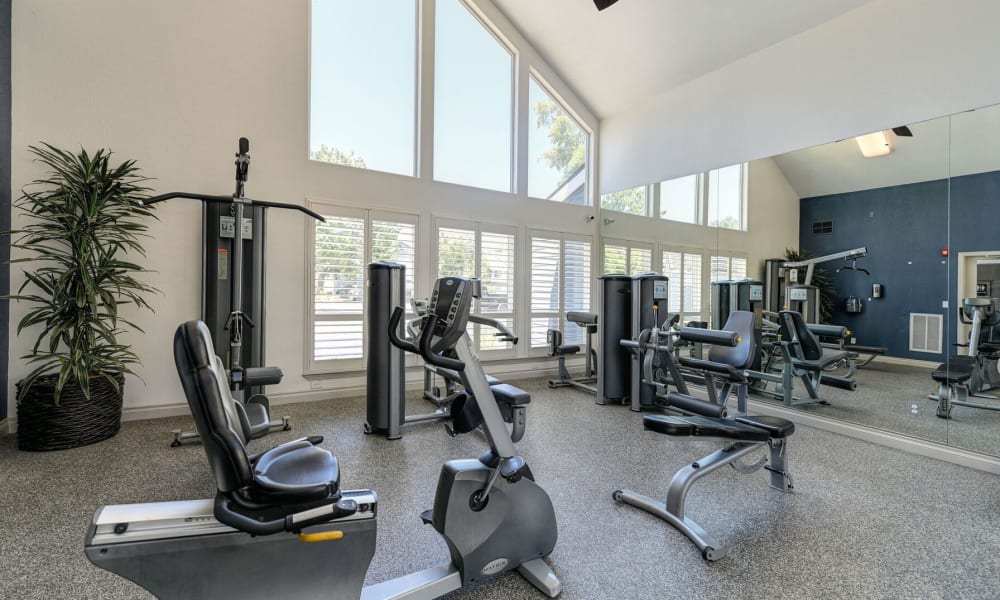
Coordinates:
[566,350]
[829,357]
[716,427]
[454,376]
[729,371]
[262,376]
[582,318]
[866,349]
[505,393]
[296,472]
[776,427]
[957,370]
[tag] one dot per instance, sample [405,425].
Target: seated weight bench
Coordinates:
[804,357]
[741,436]
[554,337]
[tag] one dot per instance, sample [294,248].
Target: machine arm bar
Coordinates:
[810,262]
[505,334]
[230,200]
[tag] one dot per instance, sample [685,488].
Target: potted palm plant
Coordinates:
[85,223]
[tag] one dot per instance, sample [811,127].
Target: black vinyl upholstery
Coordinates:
[806,351]
[294,472]
[705,427]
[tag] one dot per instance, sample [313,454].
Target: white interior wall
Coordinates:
[885,63]
[173,85]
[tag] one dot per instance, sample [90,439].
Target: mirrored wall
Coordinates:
[922,200]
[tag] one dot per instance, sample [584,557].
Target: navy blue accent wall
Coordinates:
[5,7]
[904,228]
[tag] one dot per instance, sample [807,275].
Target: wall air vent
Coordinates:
[822,227]
[926,332]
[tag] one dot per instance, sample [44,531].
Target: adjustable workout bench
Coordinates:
[741,436]
[804,357]
[554,337]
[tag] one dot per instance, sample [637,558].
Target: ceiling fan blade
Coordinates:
[602,4]
[902,131]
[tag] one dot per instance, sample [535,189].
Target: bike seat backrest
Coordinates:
[793,328]
[741,355]
[212,406]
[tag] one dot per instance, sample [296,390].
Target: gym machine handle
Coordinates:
[504,334]
[426,337]
[230,200]
[343,507]
[398,342]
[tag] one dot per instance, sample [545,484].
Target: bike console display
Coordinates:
[450,305]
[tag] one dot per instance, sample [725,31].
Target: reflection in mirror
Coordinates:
[970,391]
[870,261]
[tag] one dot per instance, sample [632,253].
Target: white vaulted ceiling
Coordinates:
[616,58]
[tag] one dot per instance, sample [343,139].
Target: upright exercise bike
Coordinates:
[280,526]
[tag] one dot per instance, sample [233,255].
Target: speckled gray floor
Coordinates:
[865,521]
[885,398]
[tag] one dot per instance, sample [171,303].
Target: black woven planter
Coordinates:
[77,421]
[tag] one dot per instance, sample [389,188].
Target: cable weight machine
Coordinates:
[233,283]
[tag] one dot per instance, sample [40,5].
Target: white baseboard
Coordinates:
[508,371]
[966,458]
[910,362]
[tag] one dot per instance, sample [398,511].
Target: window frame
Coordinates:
[744,201]
[515,58]
[589,194]
[418,75]
[328,208]
[650,202]
[699,199]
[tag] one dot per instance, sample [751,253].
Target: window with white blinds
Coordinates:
[629,258]
[684,291]
[488,252]
[342,248]
[559,281]
[728,268]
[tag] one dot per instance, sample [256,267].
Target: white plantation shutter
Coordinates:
[496,267]
[673,269]
[738,268]
[338,274]
[489,252]
[615,258]
[720,268]
[560,281]
[343,247]
[456,252]
[396,241]
[546,287]
[576,283]
[496,270]
[692,287]
[640,260]
[684,271]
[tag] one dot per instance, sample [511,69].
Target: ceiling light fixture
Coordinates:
[875,144]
